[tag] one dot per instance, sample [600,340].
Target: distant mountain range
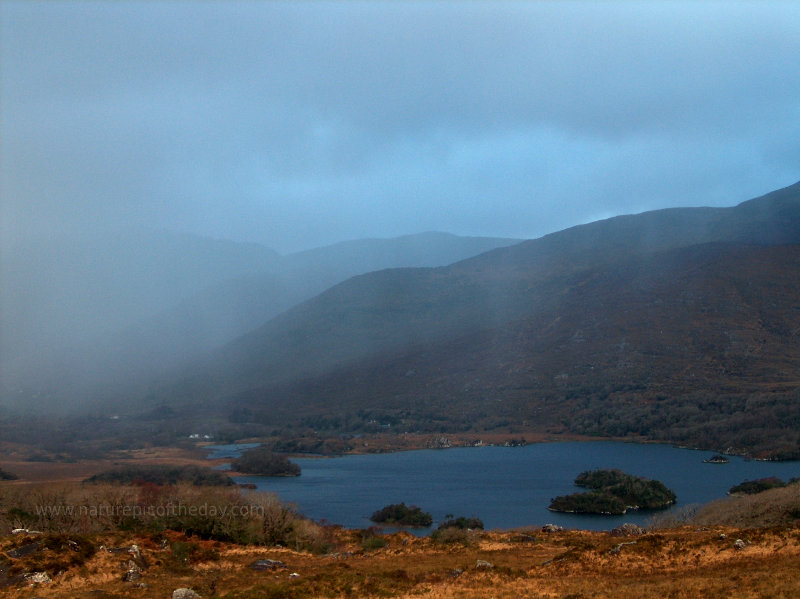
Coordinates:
[680,325]
[87,319]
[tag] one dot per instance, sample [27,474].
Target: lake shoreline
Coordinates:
[507,487]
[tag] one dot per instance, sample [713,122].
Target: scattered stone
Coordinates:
[616,550]
[38,578]
[184,594]
[483,565]
[627,530]
[739,544]
[132,576]
[23,550]
[134,573]
[552,528]
[266,564]
[137,557]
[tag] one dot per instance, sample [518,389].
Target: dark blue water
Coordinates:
[217,452]
[507,487]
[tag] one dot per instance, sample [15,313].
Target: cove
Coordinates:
[507,487]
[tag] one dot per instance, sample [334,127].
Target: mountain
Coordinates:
[97,318]
[679,325]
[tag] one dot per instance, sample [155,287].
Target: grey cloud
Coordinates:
[303,123]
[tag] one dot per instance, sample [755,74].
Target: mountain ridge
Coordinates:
[316,352]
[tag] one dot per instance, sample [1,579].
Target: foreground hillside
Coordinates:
[678,325]
[143,539]
[686,562]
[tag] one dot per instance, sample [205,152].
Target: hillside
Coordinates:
[677,325]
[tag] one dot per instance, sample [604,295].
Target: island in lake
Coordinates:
[613,492]
[261,461]
[716,459]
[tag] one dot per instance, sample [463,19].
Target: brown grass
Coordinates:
[695,560]
[775,507]
[15,459]
[678,563]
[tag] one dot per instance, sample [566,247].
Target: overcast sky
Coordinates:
[299,124]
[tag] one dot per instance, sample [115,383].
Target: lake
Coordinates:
[507,487]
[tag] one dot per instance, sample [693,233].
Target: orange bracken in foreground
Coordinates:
[685,562]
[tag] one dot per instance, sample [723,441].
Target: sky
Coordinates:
[299,124]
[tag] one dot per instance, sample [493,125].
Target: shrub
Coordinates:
[751,487]
[162,474]
[216,513]
[463,523]
[7,475]
[453,534]
[370,543]
[400,513]
[372,539]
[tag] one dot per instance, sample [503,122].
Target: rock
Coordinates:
[132,576]
[552,528]
[456,573]
[134,572]
[184,594]
[266,564]
[627,530]
[23,550]
[38,578]
[739,544]
[483,565]
[25,531]
[294,575]
[723,536]
[616,550]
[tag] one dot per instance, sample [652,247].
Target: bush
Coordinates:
[7,475]
[215,513]
[370,540]
[751,487]
[403,515]
[262,462]
[462,523]
[453,534]
[160,474]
